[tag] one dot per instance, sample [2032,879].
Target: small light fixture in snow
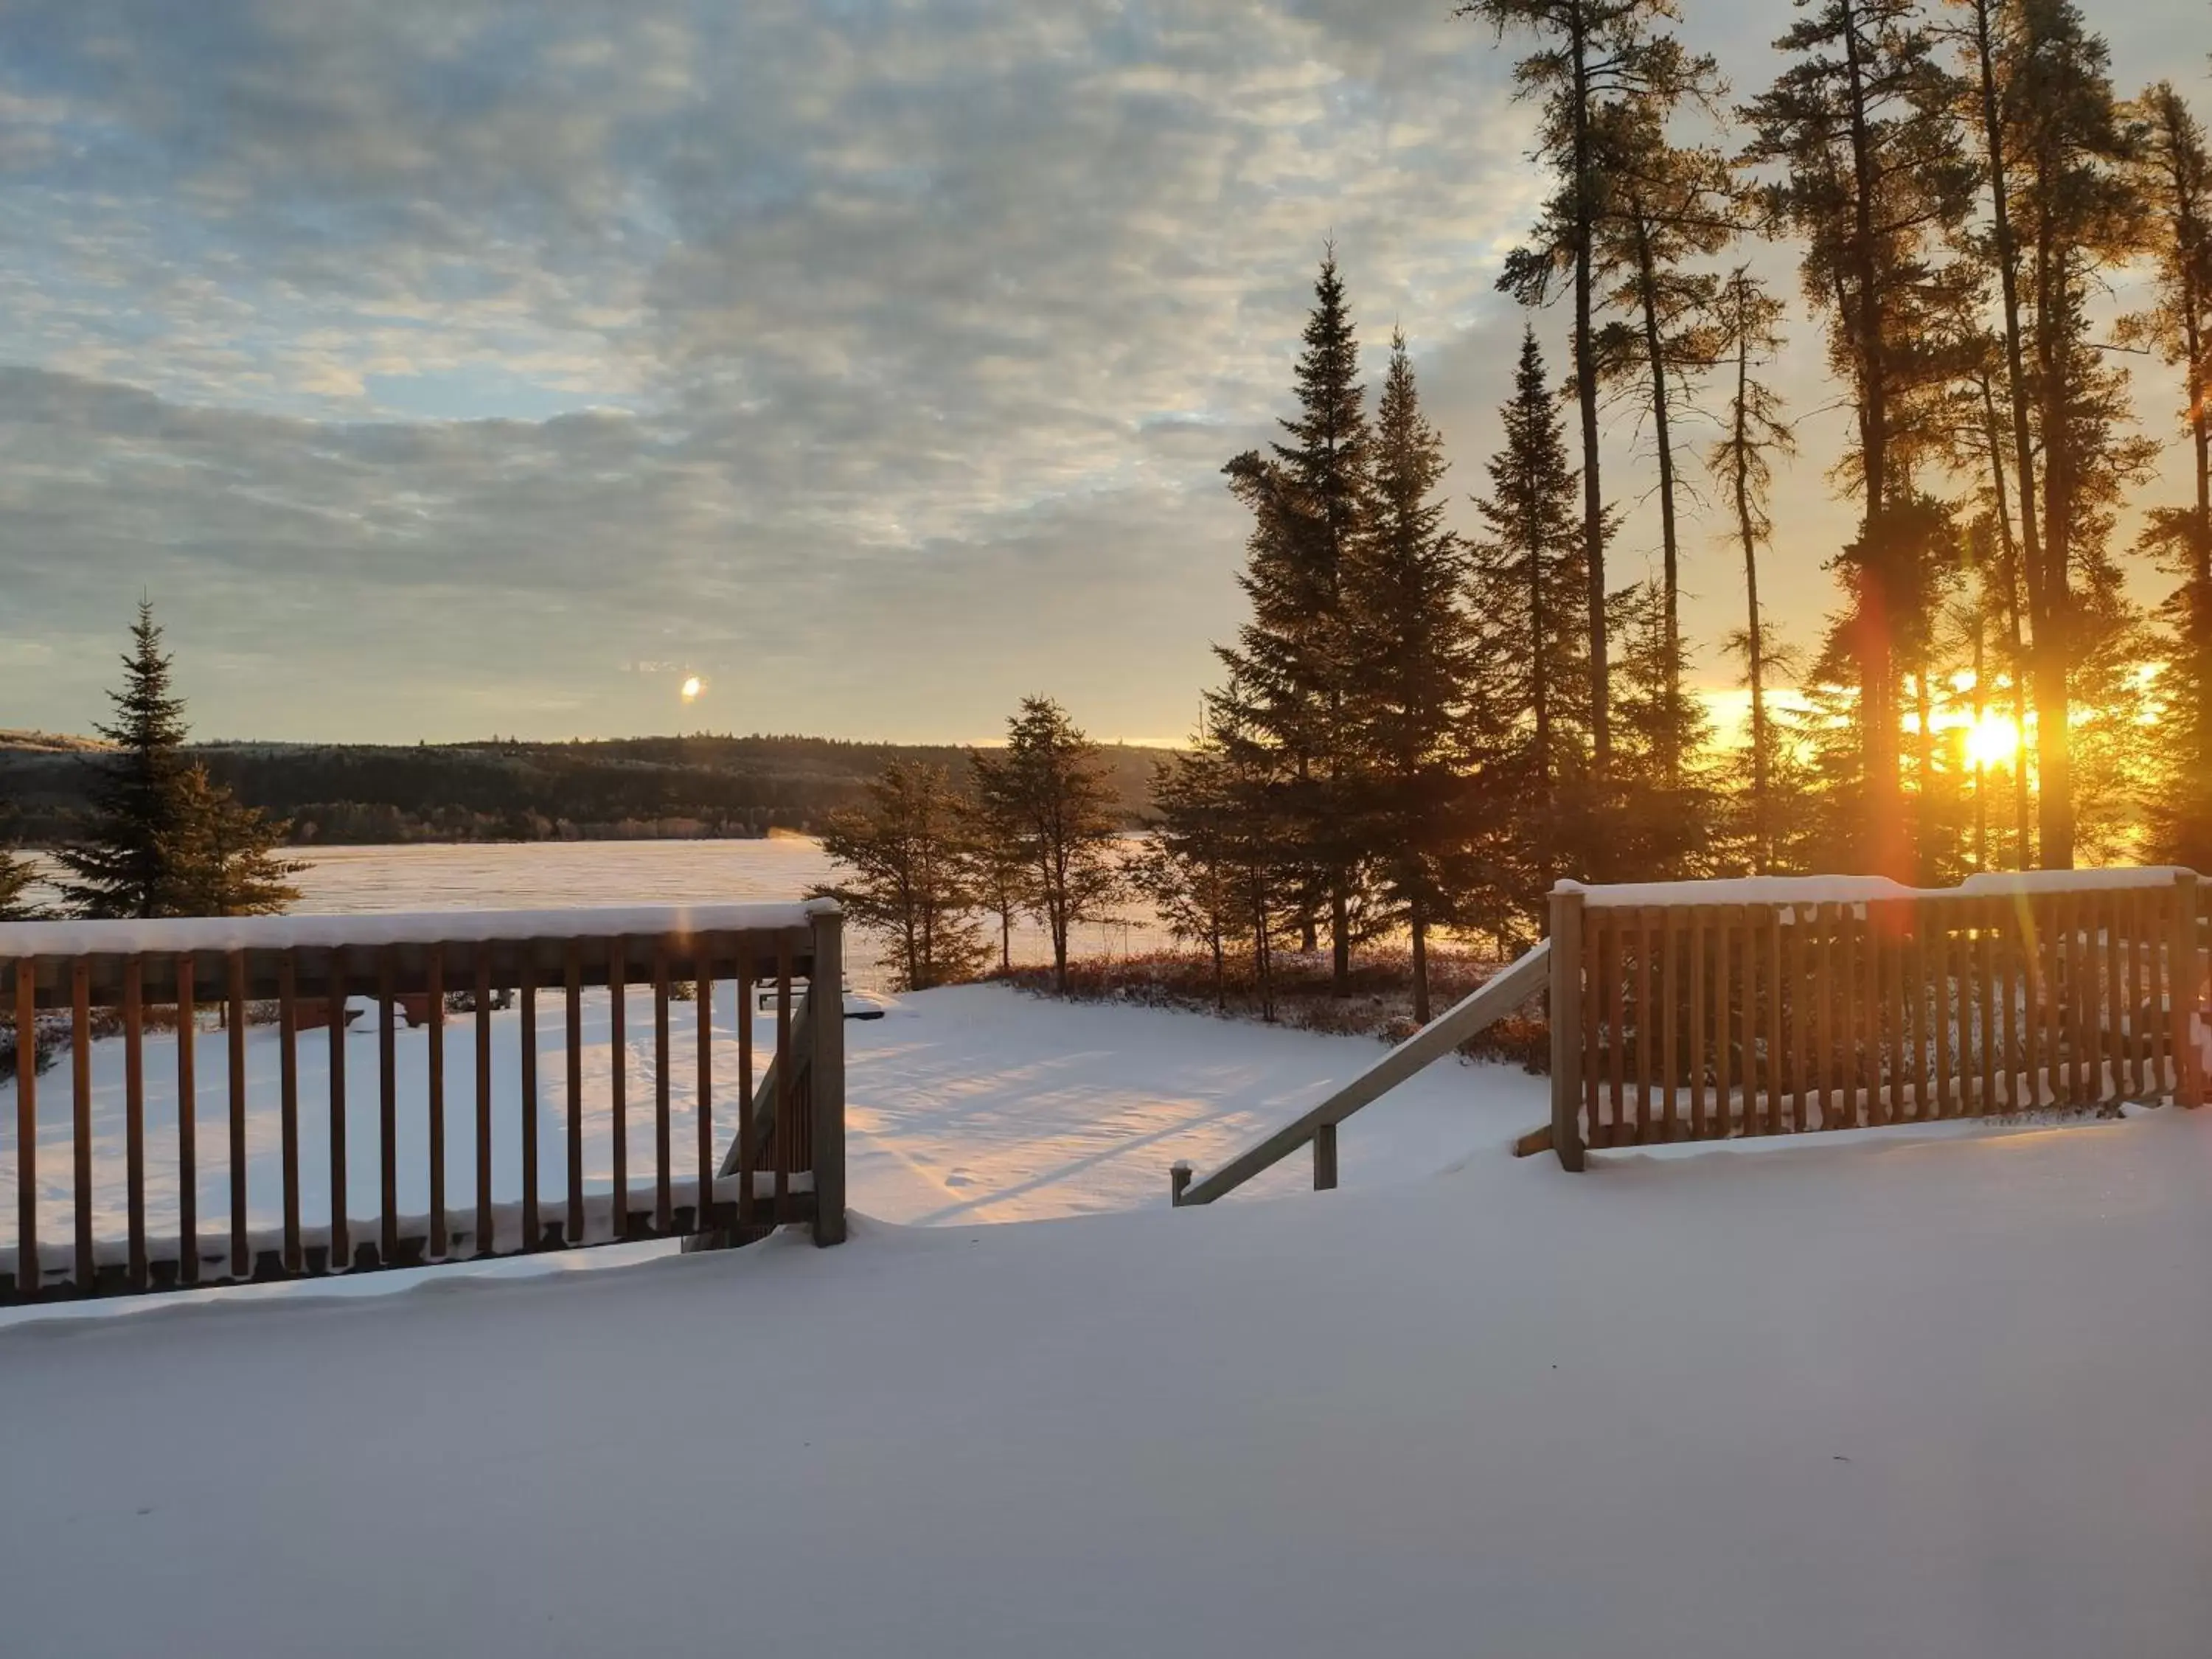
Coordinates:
[692,687]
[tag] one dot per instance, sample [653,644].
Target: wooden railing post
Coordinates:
[1325,1158]
[1566,1018]
[826,990]
[2183,983]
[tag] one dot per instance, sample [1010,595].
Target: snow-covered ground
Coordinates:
[1890,1396]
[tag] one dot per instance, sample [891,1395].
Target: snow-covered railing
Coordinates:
[1498,996]
[1704,1010]
[302,974]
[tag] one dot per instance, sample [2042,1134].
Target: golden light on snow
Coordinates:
[1991,741]
[692,687]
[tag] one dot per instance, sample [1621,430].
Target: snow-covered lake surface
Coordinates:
[1935,1395]
[548,875]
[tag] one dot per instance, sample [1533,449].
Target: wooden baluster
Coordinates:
[1896,920]
[87,1270]
[435,972]
[744,1081]
[1822,919]
[1590,1001]
[30,1275]
[1324,1156]
[784,1062]
[573,1045]
[188,1166]
[2111,1042]
[2081,1003]
[2031,943]
[387,1111]
[704,1208]
[1985,915]
[1723,1022]
[487,1227]
[526,993]
[1618,1020]
[1850,996]
[1775,971]
[1801,968]
[341,1234]
[134,1117]
[1643,1016]
[1939,932]
[242,1249]
[1916,981]
[2186,981]
[618,1037]
[1699,1126]
[1668,1010]
[288,1042]
[2138,1031]
[663,1149]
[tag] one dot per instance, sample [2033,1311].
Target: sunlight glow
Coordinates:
[1990,742]
[692,688]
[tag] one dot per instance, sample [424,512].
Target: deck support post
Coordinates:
[826,1086]
[1325,1158]
[1566,1022]
[2184,984]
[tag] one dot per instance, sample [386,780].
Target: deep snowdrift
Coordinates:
[1930,1397]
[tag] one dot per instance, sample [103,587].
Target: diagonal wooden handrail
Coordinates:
[1498,996]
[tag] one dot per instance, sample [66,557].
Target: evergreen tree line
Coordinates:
[1416,730]
[166,839]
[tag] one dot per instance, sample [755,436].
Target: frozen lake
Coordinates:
[548,875]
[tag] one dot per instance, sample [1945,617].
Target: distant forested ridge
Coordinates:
[631,788]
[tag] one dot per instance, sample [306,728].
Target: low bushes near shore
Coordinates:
[1379,1004]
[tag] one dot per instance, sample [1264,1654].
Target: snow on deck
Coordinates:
[1942,1397]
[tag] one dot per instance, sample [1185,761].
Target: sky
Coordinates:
[445,368]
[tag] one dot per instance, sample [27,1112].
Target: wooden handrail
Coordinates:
[1499,995]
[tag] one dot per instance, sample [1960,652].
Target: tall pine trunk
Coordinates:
[1647,279]
[1586,400]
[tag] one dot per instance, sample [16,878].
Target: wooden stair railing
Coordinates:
[1499,995]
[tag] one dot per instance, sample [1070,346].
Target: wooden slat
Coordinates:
[2080,975]
[1592,1017]
[1851,1003]
[1618,1025]
[2137,908]
[745,1092]
[288,1018]
[1985,1028]
[1824,1010]
[664,1153]
[1668,1010]
[784,1062]
[1723,1026]
[1796,1012]
[2011,980]
[387,1113]
[2112,1045]
[188,1151]
[29,1274]
[618,1082]
[80,1120]
[1939,984]
[1892,949]
[1646,932]
[2033,951]
[704,1007]
[1915,981]
[1700,917]
[1753,936]
[526,995]
[335,1003]
[572,1043]
[235,1020]
[486,1239]
[1771,956]
[441,1238]
[134,1117]
[2158,924]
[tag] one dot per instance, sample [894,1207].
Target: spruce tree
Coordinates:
[1190,867]
[1047,793]
[129,864]
[1410,652]
[903,875]
[1527,584]
[1306,498]
[15,876]
[225,861]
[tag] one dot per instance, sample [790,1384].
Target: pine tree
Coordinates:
[1663,827]
[224,860]
[1527,583]
[1749,321]
[1306,498]
[1592,54]
[908,879]
[1047,793]
[2174,176]
[15,877]
[1668,206]
[126,868]
[1190,868]
[1862,124]
[1410,650]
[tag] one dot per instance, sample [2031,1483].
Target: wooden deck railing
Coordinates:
[1705,1011]
[124,976]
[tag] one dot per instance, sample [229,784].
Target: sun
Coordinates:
[692,687]
[1991,741]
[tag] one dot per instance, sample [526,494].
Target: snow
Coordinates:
[1929,1394]
[172,937]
